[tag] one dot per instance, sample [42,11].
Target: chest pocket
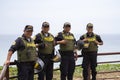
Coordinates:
[69,46]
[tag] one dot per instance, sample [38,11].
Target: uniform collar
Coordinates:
[27,39]
[45,34]
[90,34]
[66,32]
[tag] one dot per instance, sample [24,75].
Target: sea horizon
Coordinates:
[111,44]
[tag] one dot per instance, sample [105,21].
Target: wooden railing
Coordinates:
[6,77]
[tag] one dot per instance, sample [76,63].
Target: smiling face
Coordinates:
[89,29]
[28,30]
[28,34]
[45,29]
[67,29]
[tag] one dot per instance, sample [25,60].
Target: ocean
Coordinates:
[111,44]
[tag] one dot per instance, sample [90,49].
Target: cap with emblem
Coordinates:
[45,24]
[89,25]
[67,24]
[28,28]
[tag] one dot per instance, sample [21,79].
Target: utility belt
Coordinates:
[88,52]
[26,63]
[66,53]
[42,55]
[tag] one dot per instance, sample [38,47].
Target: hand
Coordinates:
[7,62]
[46,45]
[76,56]
[37,45]
[62,42]
[85,39]
[96,42]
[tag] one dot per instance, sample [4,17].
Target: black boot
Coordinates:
[94,75]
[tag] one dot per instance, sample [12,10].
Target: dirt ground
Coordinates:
[106,76]
[100,76]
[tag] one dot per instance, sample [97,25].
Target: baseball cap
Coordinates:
[45,24]
[90,25]
[28,28]
[67,24]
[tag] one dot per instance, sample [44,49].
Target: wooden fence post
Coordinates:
[7,73]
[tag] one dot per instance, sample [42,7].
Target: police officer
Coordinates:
[26,54]
[89,51]
[45,43]
[67,45]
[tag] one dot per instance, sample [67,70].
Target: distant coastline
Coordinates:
[111,44]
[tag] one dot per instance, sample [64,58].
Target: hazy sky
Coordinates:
[104,14]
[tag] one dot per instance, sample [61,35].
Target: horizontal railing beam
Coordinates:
[110,53]
[99,54]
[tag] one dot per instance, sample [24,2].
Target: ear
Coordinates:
[63,27]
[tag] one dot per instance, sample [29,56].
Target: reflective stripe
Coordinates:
[70,37]
[90,39]
[30,44]
[48,39]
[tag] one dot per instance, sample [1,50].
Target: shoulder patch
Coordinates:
[34,38]
[56,35]
[14,43]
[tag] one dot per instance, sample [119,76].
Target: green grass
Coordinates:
[108,67]
[78,70]
[100,68]
[13,71]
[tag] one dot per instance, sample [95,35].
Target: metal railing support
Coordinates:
[5,72]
